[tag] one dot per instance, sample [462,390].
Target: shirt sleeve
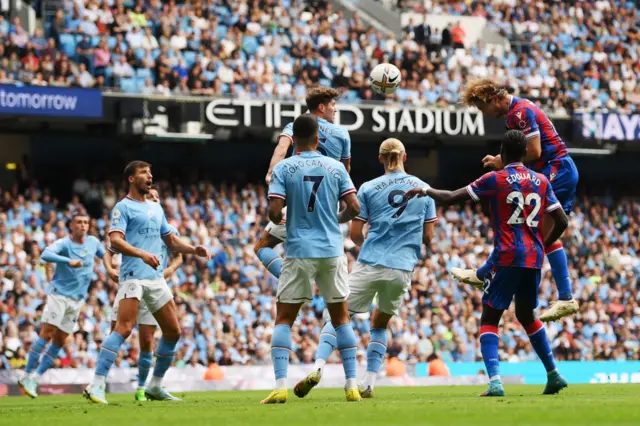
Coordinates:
[551,202]
[119,219]
[484,186]
[364,210]
[165,228]
[524,119]
[346,186]
[288,131]
[277,188]
[430,210]
[100,251]
[346,146]
[54,253]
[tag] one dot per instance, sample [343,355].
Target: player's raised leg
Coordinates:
[264,248]
[40,360]
[327,343]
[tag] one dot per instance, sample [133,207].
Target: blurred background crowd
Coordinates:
[566,55]
[227,304]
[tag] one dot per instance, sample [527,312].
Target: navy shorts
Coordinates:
[501,284]
[563,175]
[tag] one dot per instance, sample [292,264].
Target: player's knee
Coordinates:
[525,315]
[47,332]
[171,332]
[260,244]
[124,328]
[146,342]
[490,316]
[380,319]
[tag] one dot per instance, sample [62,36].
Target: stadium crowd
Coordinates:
[227,304]
[566,54]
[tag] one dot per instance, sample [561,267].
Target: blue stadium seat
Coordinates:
[155,53]
[128,85]
[95,41]
[143,72]
[68,43]
[112,41]
[209,75]
[140,53]
[325,82]
[189,57]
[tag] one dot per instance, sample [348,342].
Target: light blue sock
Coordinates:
[145,361]
[347,345]
[271,260]
[560,272]
[34,354]
[49,358]
[489,347]
[377,349]
[327,342]
[108,353]
[280,350]
[164,357]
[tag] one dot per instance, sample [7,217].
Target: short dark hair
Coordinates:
[514,145]
[320,96]
[305,128]
[133,166]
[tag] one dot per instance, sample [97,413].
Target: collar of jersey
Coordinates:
[514,165]
[309,154]
[511,102]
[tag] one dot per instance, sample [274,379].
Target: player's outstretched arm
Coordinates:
[440,196]
[49,255]
[120,245]
[352,208]
[559,225]
[176,245]
[284,143]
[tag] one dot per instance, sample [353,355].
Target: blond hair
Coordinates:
[482,91]
[391,151]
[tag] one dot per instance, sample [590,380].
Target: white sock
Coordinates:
[281,383]
[319,365]
[495,378]
[155,382]
[351,384]
[370,379]
[98,381]
[35,376]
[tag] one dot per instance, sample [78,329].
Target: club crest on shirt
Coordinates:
[83,252]
[116,213]
[149,212]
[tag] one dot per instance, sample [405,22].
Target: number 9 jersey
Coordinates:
[518,198]
[395,224]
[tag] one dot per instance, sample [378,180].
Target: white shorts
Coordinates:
[61,312]
[152,294]
[278,231]
[144,316]
[365,281]
[298,275]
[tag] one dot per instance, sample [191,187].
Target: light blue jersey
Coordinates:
[395,224]
[68,281]
[312,185]
[143,224]
[164,261]
[335,141]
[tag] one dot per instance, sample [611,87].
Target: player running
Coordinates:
[147,324]
[74,255]
[518,198]
[138,227]
[334,142]
[386,261]
[312,185]
[546,154]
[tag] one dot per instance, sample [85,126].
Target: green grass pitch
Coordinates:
[579,405]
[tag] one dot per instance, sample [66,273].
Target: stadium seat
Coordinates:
[68,43]
[189,57]
[128,85]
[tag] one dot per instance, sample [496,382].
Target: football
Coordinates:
[385,79]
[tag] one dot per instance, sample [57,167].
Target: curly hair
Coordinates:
[482,91]
[320,96]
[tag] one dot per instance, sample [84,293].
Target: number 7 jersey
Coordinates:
[395,224]
[312,185]
[518,198]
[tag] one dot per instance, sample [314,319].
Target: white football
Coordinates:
[385,79]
